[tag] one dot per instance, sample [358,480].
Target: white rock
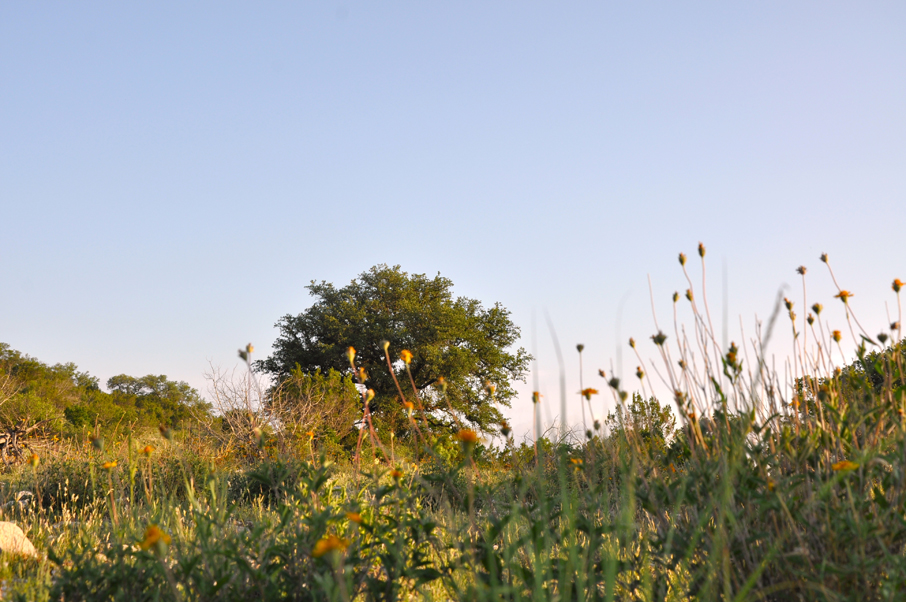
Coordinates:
[13,540]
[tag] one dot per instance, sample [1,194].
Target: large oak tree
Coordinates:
[467,344]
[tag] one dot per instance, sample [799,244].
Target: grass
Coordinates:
[760,494]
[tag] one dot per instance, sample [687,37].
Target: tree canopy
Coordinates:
[455,338]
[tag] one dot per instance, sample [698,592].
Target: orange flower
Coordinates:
[146,451]
[836,336]
[329,544]
[536,397]
[311,435]
[109,465]
[845,465]
[576,461]
[406,356]
[350,353]
[843,296]
[469,437]
[34,460]
[897,285]
[587,393]
[396,473]
[155,538]
[354,517]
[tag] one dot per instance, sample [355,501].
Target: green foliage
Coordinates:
[71,400]
[647,423]
[454,338]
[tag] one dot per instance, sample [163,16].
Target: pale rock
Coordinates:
[13,540]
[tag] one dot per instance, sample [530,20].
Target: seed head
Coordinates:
[882,337]
[810,319]
[659,338]
[801,270]
[824,257]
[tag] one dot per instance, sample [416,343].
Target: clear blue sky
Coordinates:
[173,174]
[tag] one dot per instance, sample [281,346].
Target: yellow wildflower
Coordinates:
[587,393]
[897,285]
[406,356]
[155,538]
[109,465]
[467,436]
[354,517]
[329,544]
[843,295]
[146,451]
[836,336]
[845,465]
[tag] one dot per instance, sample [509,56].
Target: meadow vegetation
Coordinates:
[743,486]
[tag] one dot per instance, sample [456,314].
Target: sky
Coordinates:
[172,175]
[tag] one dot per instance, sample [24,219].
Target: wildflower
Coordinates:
[843,296]
[363,375]
[409,407]
[587,393]
[146,451]
[672,468]
[770,485]
[639,372]
[250,349]
[156,539]
[34,460]
[467,436]
[350,353]
[396,473]
[602,374]
[505,429]
[311,435]
[369,395]
[406,356]
[576,461]
[675,297]
[536,397]
[689,294]
[354,517]
[682,259]
[897,285]
[701,250]
[795,401]
[810,319]
[836,336]
[659,338]
[817,307]
[845,465]
[580,347]
[98,443]
[801,270]
[824,257]
[329,544]
[109,465]
[490,387]
[385,345]
[632,342]
[788,303]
